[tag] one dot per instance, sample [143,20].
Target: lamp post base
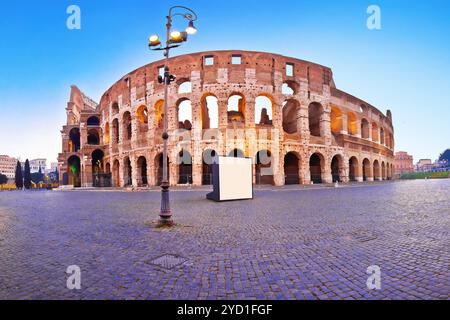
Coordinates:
[165,216]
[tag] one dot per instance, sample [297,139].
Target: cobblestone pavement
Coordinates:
[285,244]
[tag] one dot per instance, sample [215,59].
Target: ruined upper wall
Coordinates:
[268,68]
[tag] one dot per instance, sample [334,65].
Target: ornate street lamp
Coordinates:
[173,40]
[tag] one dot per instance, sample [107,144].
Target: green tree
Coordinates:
[19,176]
[27,175]
[445,156]
[3,179]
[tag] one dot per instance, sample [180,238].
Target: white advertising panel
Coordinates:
[236,179]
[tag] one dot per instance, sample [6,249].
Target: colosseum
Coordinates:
[284,113]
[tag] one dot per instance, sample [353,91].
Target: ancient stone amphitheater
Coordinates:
[285,113]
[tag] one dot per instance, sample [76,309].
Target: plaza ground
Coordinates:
[287,243]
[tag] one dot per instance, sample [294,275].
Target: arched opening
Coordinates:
[99,178]
[315,111]
[108,168]
[263,168]
[375,132]
[93,121]
[366,170]
[116,174]
[159,164]
[263,110]
[383,171]
[316,163]
[127,129]
[185,114]
[142,119]
[115,108]
[288,89]
[352,124]
[74,140]
[291,169]
[210,112]
[106,134]
[236,153]
[159,114]
[337,168]
[236,108]
[376,170]
[382,136]
[185,87]
[336,120]
[73,170]
[364,129]
[290,112]
[209,157]
[184,167]
[127,172]
[115,130]
[142,171]
[93,137]
[353,166]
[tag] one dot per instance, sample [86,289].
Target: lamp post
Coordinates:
[173,40]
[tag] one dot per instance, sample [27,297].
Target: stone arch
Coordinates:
[142,118]
[316,167]
[106,134]
[315,111]
[74,171]
[184,161]
[263,168]
[375,132]
[367,172]
[115,130]
[376,170]
[159,114]
[364,128]
[236,153]
[185,86]
[93,121]
[236,108]
[292,168]
[290,87]
[353,165]
[184,114]
[336,120]
[141,165]
[97,167]
[115,108]
[115,173]
[290,111]
[352,124]
[127,172]
[209,111]
[382,136]
[93,138]
[74,140]
[127,131]
[264,109]
[208,159]
[337,168]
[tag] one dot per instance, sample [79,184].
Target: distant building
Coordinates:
[36,164]
[52,169]
[8,166]
[404,163]
[424,165]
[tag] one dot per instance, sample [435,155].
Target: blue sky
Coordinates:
[403,67]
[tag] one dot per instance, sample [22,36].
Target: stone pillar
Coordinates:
[250,112]
[344,123]
[223,113]
[303,123]
[344,170]
[358,129]
[135,175]
[150,171]
[327,177]
[325,126]
[370,131]
[305,173]
[121,172]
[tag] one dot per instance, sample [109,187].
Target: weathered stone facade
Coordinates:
[307,128]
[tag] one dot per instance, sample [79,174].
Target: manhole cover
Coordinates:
[168,261]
